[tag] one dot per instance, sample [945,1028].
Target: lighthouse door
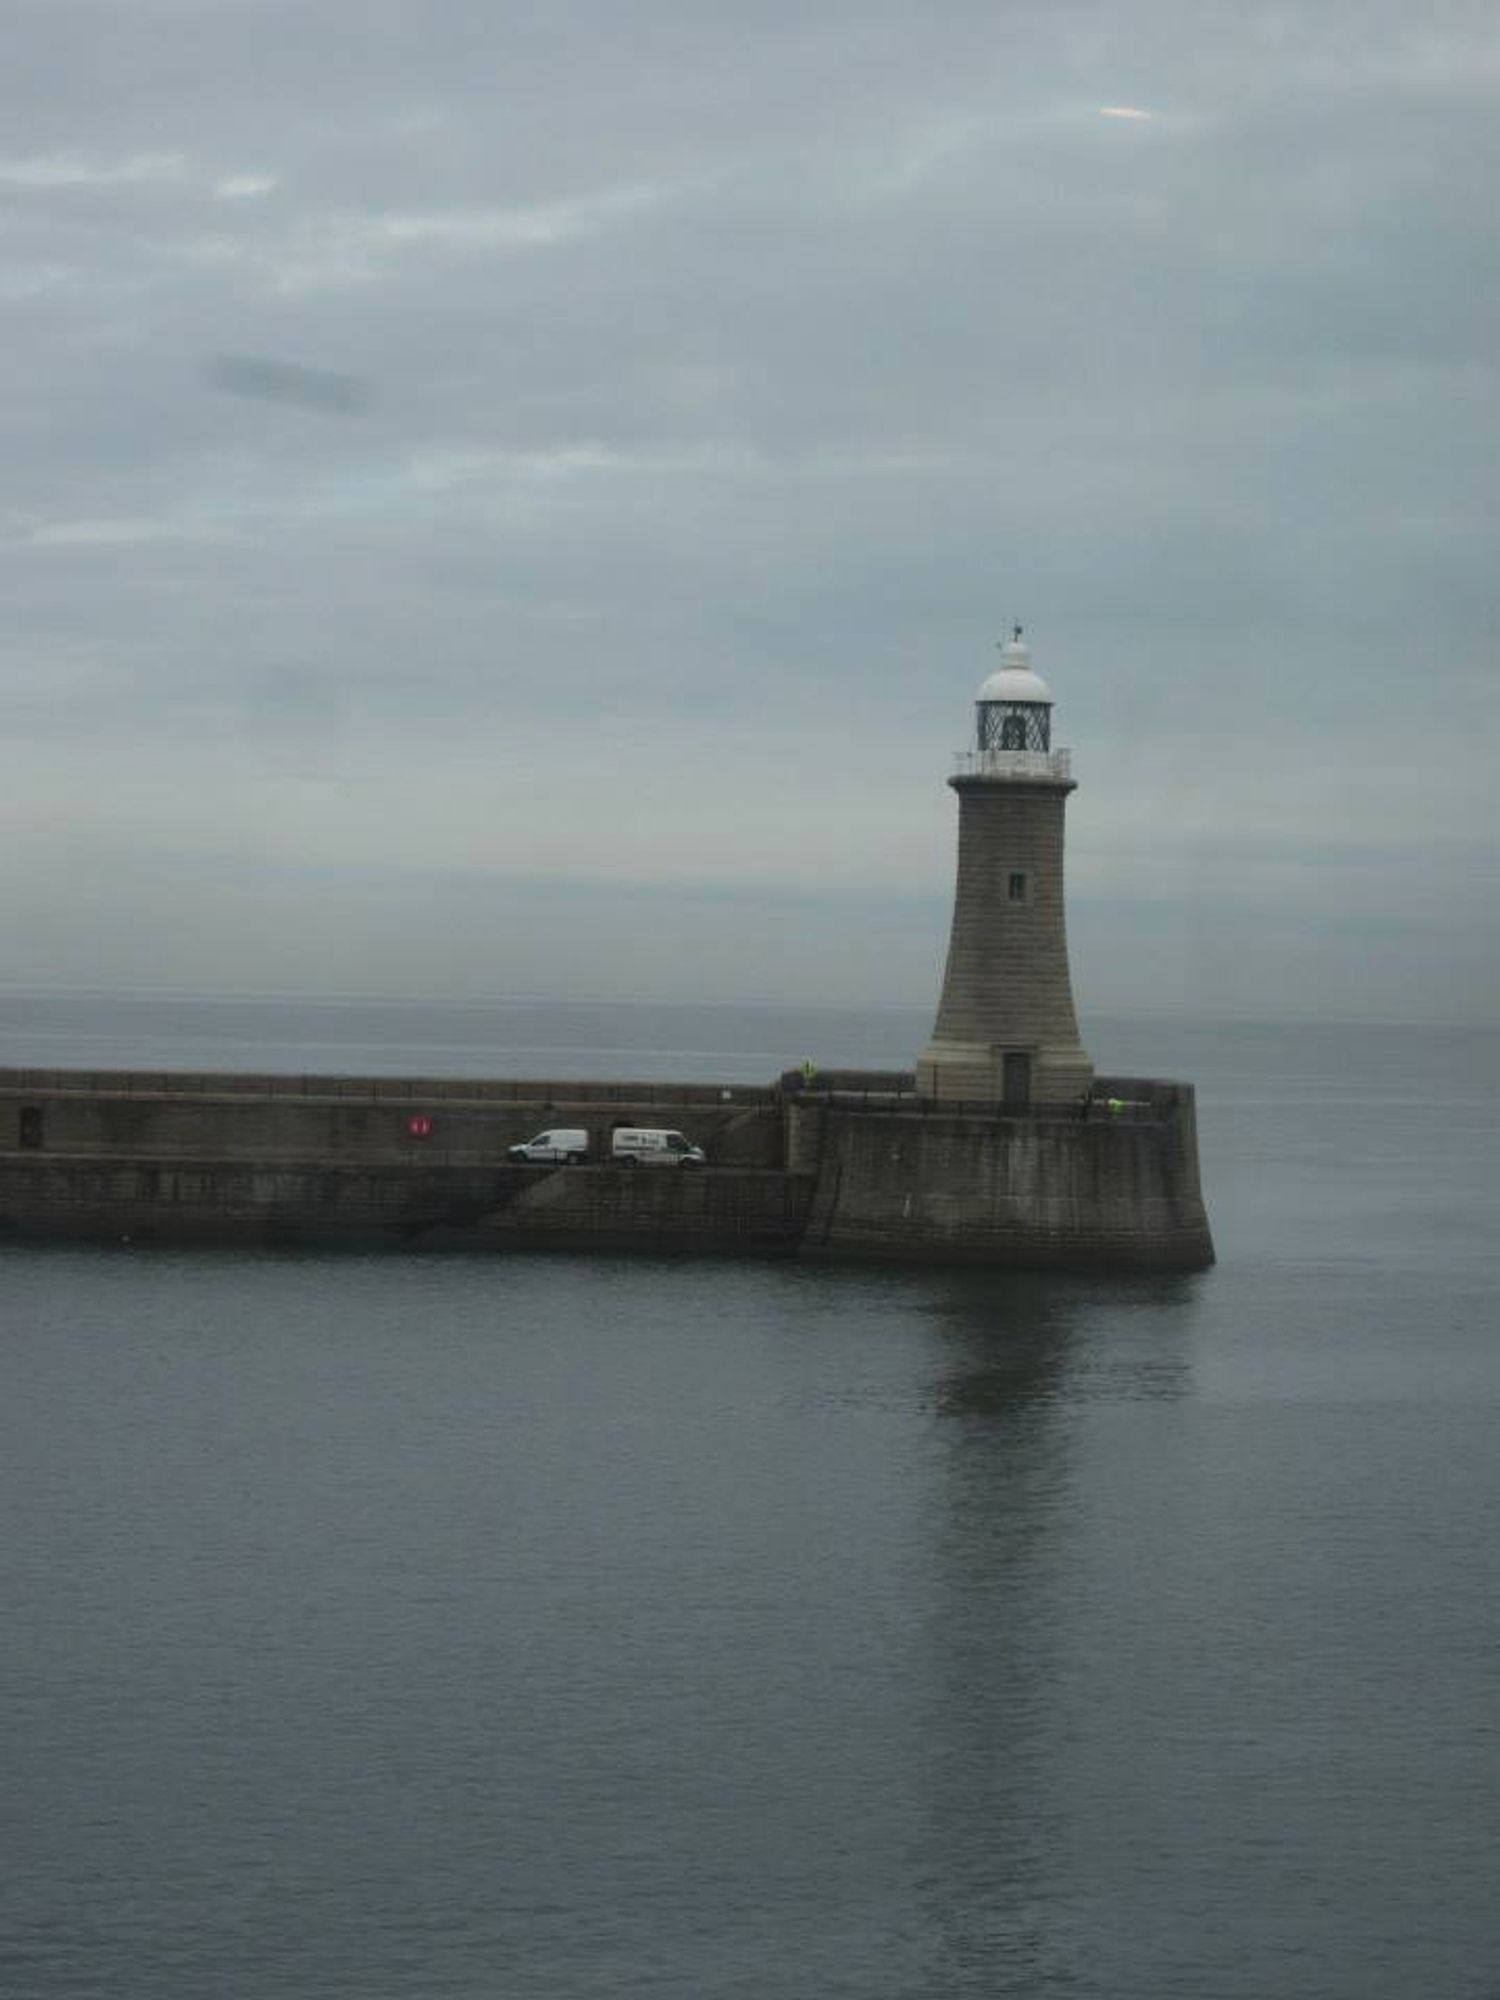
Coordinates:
[1015,1081]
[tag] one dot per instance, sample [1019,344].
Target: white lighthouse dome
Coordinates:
[1014,680]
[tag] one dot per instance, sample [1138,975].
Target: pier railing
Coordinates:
[1134,1099]
[1111,1100]
[377,1089]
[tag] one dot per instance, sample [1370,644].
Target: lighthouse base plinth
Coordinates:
[1110,1184]
[1001,1073]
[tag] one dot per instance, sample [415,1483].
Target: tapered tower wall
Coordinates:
[1005,1026]
[1007,988]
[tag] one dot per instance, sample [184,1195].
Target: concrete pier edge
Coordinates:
[854,1165]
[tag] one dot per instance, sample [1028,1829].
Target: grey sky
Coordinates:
[519,500]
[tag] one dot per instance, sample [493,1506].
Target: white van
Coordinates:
[566,1145]
[644,1146]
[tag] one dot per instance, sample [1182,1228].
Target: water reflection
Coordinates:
[1020,1367]
[1033,1338]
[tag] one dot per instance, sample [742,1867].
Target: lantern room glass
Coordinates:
[1015,725]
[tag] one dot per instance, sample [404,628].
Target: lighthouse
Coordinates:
[1006,1031]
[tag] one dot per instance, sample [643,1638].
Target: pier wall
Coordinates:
[428,1206]
[1115,1190]
[351,1120]
[829,1171]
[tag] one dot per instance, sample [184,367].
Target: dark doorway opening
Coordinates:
[1015,1082]
[31,1126]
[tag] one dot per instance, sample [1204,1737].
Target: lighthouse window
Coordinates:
[1018,888]
[1013,733]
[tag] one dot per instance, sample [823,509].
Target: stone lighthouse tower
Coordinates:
[1005,1029]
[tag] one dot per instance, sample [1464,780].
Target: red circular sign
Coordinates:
[420,1127]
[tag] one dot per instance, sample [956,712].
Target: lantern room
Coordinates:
[1014,707]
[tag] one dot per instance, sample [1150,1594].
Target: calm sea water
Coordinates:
[447,1626]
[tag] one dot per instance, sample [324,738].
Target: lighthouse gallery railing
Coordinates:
[1048,766]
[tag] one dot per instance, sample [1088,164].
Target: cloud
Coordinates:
[116,532]
[270,381]
[736,375]
[331,250]
[45,172]
[244,187]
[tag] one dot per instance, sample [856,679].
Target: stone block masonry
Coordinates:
[830,1172]
[1005,1027]
[1116,1191]
[1007,984]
